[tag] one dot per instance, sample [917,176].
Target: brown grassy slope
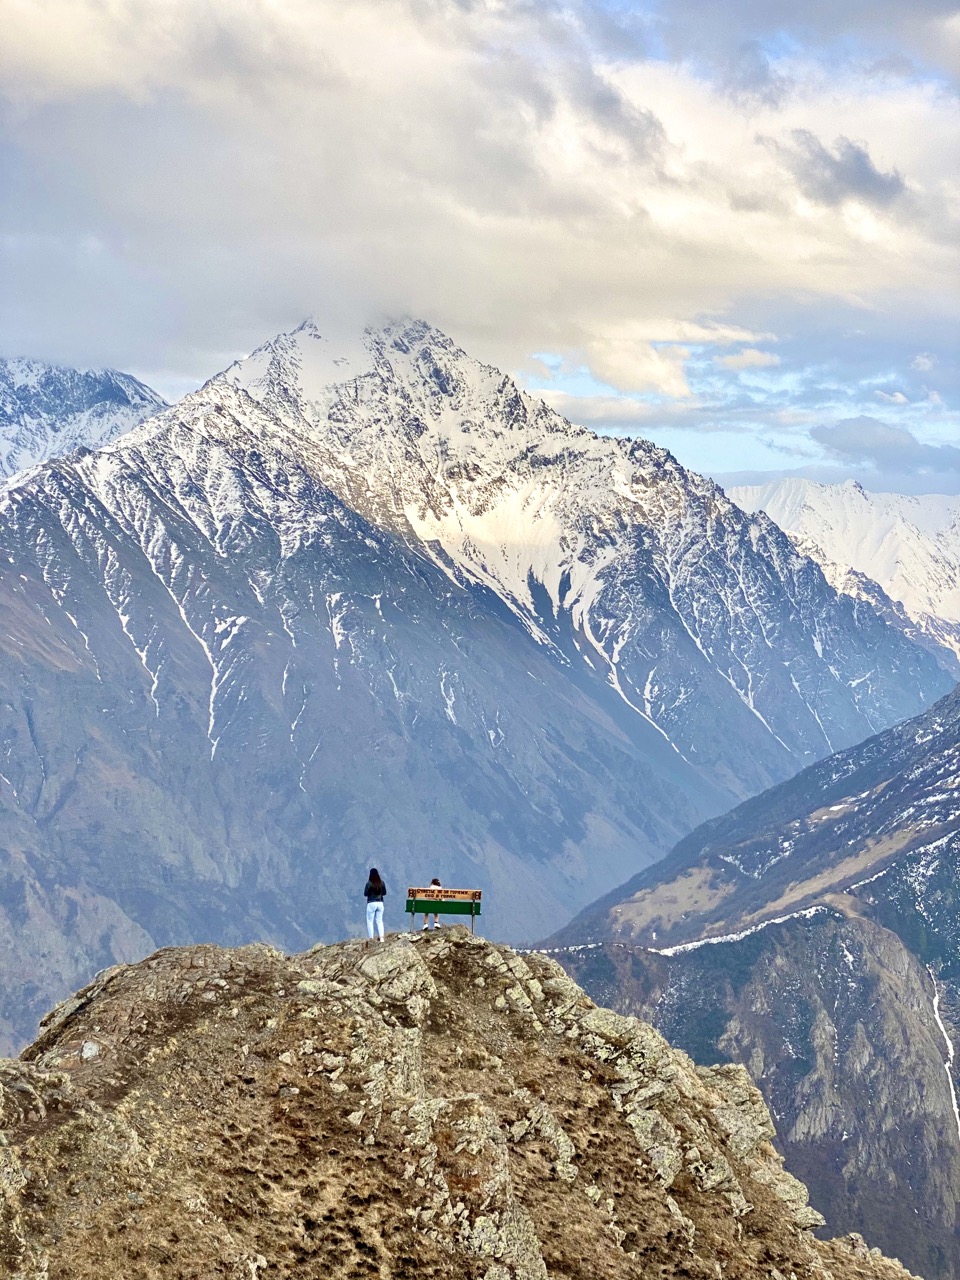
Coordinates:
[433,1107]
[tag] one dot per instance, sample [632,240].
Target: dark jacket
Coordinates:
[374,893]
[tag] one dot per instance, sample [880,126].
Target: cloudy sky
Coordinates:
[730,227]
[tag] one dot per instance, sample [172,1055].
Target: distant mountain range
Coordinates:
[374,605]
[813,934]
[909,545]
[48,410]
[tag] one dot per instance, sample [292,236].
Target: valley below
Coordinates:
[811,934]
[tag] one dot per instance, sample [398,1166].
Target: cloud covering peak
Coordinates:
[646,194]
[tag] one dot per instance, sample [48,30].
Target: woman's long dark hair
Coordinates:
[374,876]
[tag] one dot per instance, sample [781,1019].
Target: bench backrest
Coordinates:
[437,893]
[436,900]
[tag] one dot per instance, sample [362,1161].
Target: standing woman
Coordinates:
[375,891]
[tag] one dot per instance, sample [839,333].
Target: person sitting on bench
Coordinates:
[434,884]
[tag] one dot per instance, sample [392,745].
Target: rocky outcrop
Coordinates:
[435,1106]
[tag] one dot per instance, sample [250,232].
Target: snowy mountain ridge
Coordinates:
[49,410]
[556,520]
[934,634]
[909,544]
[463,488]
[887,810]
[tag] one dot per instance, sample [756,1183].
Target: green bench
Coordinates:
[443,902]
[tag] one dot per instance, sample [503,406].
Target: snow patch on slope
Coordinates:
[47,411]
[908,544]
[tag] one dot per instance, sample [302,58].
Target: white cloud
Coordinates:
[867,441]
[622,362]
[749,358]
[891,397]
[523,175]
[923,362]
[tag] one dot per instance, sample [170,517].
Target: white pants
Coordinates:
[375,919]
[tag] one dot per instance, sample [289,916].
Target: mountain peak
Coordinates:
[505,494]
[48,410]
[305,367]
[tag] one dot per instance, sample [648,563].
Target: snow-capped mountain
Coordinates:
[48,410]
[933,634]
[910,545]
[379,607]
[607,549]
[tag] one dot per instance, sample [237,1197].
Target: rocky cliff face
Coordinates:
[434,1107]
[48,410]
[381,608]
[841,1027]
